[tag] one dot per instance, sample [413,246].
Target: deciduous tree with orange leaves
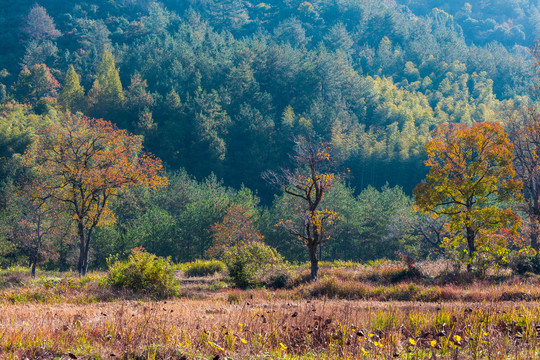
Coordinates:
[84,162]
[471,176]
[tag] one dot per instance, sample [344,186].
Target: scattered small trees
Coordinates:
[471,175]
[308,184]
[82,163]
[235,230]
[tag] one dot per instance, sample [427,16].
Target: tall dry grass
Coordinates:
[257,325]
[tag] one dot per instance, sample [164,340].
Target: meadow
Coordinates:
[348,314]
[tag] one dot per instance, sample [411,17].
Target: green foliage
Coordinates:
[249,262]
[35,83]
[222,87]
[525,260]
[72,95]
[142,273]
[106,95]
[204,268]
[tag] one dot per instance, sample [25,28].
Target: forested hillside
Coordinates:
[221,86]
[219,90]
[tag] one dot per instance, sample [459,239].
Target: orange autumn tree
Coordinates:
[471,175]
[308,184]
[84,162]
[236,229]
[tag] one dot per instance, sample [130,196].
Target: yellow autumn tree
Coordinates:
[471,176]
[84,162]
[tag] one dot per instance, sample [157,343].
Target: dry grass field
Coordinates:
[336,318]
[260,327]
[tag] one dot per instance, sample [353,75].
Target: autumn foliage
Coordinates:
[471,175]
[83,163]
[308,184]
[236,229]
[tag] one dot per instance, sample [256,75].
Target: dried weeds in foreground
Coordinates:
[266,328]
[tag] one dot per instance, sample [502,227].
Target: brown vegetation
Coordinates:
[258,326]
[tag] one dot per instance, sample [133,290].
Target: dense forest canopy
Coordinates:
[221,86]
[218,89]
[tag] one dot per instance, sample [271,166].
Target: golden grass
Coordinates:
[261,326]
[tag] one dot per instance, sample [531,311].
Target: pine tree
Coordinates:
[106,95]
[35,83]
[72,94]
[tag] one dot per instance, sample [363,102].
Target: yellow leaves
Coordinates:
[470,167]
[86,161]
[215,346]
[412,342]
[433,343]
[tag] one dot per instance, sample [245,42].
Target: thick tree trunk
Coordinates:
[35,256]
[33,271]
[471,245]
[535,216]
[314,262]
[80,266]
[534,239]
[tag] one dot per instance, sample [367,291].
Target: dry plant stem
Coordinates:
[255,327]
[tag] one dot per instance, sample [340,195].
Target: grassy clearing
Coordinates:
[263,327]
[352,312]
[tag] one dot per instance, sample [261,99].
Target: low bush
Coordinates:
[142,273]
[280,277]
[14,277]
[335,288]
[204,268]
[455,278]
[249,263]
[524,261]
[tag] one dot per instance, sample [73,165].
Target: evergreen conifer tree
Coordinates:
[106,95]
[72,94]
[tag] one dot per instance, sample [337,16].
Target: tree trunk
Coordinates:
[471,245]
[80,266]
[535,216]
[534,238]
[38,246]
[314,262]
[33,271]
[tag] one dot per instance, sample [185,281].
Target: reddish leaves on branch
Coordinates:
[83,162]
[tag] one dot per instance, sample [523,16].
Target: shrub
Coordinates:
[333,287]
[279,277]
[14,277]
[524,260]
[204,268]
[142,273]
[249,262]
